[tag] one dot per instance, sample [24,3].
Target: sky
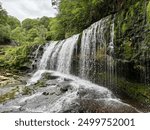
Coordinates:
[23,9]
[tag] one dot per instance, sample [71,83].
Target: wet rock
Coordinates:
[105,106]
[51,82]
[65,87]
[67,97]
[49,76]
[65,79]
[45,93]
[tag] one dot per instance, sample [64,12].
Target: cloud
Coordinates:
[23,9]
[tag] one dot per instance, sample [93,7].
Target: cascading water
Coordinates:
[90,38]
[93,45]
[57,56]
[70,93]
[53,59]
[65,55]
[110,60]
[48,51]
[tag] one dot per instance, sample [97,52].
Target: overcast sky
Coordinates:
[23,9]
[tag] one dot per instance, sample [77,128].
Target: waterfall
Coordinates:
[48,51]
[65,55]
[53,59]
[68,93]
[93,38]
[58,55]
[110,60]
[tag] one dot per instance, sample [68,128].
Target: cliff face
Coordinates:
[132,38]
[122,56]
[131,57]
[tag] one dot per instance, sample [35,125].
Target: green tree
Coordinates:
[44,21]
[57,31]
[4,34]
[13,22]
[18,35]
[28,24]
[3,16]
[4,28]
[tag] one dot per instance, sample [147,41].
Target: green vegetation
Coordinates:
[23,36]
[27,91]
[137,91]
[148,12]
[8,95]
[76,15]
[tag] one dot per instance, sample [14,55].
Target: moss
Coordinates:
[27,91]
[140,92]
[148,12]
[40,84]
[100,54]
[124,27]
[136,91]
[128,52]
[9,95]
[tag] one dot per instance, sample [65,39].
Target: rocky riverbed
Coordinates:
[49,91]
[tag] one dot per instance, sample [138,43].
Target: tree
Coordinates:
[3,16]
[4,28]
[57,31]
[4,34]
[18,35]
[27,24]
[44,21]
[13,22]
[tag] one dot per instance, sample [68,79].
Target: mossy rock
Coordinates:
[27,91]
[49,76]
[40,84]
[136,91]
[9,95]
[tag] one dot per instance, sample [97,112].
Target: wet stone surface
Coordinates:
[66,94]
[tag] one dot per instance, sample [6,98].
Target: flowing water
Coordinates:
[63,92]
[90,38]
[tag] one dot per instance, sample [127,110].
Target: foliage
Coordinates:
[28,24]
[4,28]
[13,22]
[16,57]
[56,30]
[18,35]
[3,16]
[4,33]
[77,15]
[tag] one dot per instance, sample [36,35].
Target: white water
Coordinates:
[65,55]
[58,55]
[90,38]
[48,51]
[53,59]
[110,60]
